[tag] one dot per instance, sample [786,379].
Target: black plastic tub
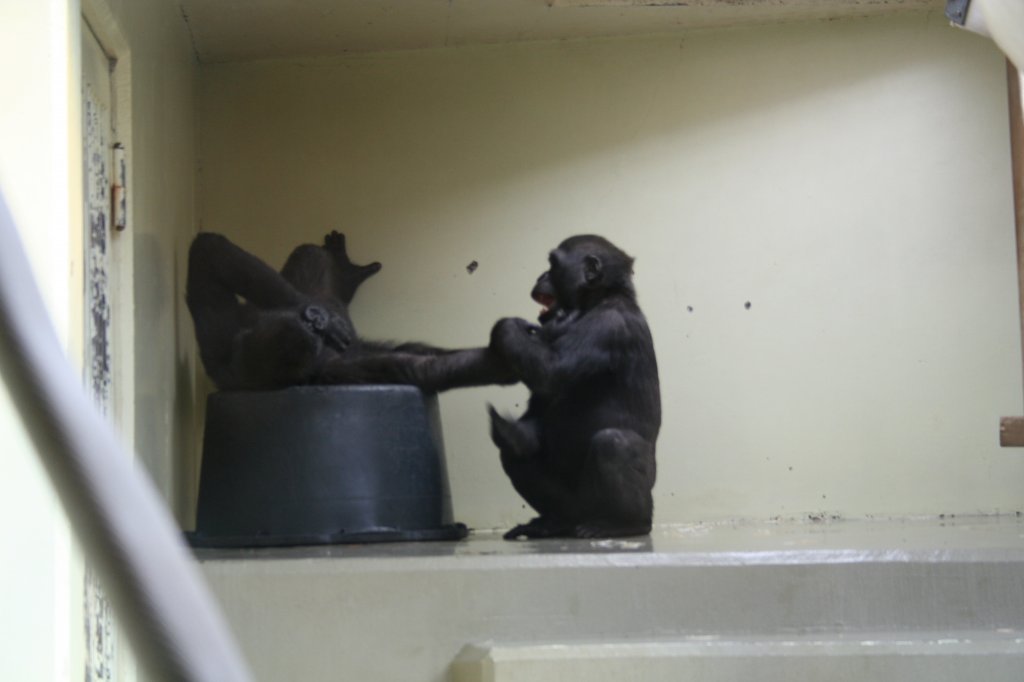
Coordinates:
[320,465]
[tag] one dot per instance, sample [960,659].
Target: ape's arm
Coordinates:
[585,346]
[270,339]
[519,343]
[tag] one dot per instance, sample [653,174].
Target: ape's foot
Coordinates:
[540,528]
[505,434]
[334,242]
[352,275]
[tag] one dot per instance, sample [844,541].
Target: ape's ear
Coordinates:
[592,269]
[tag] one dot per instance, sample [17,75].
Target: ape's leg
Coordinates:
[218,318]
[346,275]
[409,348]
[547,495]
[312,271]
[308,269]
[215,264]
[432,373]
[277,351]
[326,272]
[417,348]
[219,274]
[520,439]
[614,498]
[523,462]
[458,369]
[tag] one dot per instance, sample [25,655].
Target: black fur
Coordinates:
[260,329]
[583,453]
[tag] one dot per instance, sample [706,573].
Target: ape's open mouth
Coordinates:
[546,300]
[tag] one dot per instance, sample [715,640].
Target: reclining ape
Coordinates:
[260,329]
[583,453]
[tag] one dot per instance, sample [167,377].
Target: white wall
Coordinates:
[41,626]
[36,128]
[849,179]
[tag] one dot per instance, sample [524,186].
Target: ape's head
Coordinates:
[583,270]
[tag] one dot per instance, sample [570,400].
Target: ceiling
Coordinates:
[234,30]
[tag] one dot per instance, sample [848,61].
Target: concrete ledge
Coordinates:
[887,656]
[406,611]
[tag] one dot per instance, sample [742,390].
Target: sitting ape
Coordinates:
[583,453]
[260,329]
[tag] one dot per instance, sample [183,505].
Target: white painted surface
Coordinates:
[1004,21]
[38,175]
[850,180]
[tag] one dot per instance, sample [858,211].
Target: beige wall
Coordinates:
[156,79]
[848,179]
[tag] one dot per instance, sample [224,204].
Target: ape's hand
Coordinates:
[510,331]
[333,329]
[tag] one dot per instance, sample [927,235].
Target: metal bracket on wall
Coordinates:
[118,195]
[956,11]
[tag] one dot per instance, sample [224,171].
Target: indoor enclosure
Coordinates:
[820,200]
